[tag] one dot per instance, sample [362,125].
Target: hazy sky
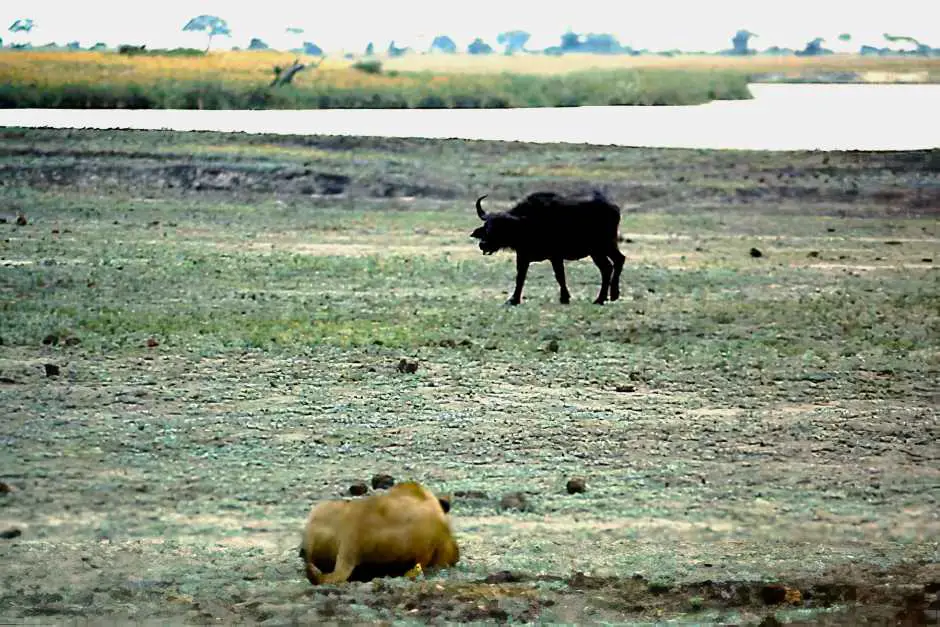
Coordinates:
[653,24]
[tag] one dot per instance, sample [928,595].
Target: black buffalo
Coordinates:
[546,225]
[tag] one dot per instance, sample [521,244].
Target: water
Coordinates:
[780,117]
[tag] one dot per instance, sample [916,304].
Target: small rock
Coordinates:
[773,594]
[21,220]
[552,346]
[382,481]
[927,259]
[503,576]
[51,340]
[6,488]
[626,388]
[471,494]
[407,366]
[152,342]
[358,489]
[813,254]
[9,534]
[576,485]
[756,253]
[514,500]
[52,370]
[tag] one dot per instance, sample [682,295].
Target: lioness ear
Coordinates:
[445,503]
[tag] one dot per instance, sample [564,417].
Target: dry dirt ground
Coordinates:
[200,336]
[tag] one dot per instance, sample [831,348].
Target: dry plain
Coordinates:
[758,434]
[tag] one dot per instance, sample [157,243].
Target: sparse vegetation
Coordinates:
[369,66]
[233,320]
[233,80]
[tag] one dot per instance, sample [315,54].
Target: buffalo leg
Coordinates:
[603,264]
[617,258]
[558,265]
[522,268]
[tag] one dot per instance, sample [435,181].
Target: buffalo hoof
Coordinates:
[599,301]
[614,296]
[512,303]
[565,301]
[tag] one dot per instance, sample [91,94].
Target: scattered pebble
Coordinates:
[21,220]
[407,366]
[52,370]
[471,494]
[358,489]
[382,481]
[756,253]
[514,500]
[576,485]
[6,488]
[552,346]
[152,342]
[502,576]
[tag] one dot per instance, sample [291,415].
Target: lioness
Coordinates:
[382,535]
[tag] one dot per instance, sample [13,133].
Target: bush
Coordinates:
[370,66]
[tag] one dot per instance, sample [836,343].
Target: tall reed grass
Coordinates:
[241,81]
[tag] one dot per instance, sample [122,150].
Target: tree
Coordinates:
[22,26]
[370,49]
[311,49]
[601,43]
[923,49]
[443,43]
[739,42]
[570,42]
[209,24]
[258,44]
[395,51]
[514,40]
[814,48]
[478,46]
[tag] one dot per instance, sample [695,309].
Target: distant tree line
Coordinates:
[512,42]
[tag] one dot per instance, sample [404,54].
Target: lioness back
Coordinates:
[379,535]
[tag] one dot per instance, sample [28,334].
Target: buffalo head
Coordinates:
[499,230]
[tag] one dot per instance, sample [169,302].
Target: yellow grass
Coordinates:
[55,67]
[543,64]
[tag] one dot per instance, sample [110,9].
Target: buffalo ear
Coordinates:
[480,211]
[445,503]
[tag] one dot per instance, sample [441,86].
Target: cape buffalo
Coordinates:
[546,225]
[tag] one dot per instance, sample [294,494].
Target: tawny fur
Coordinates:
[382,535]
